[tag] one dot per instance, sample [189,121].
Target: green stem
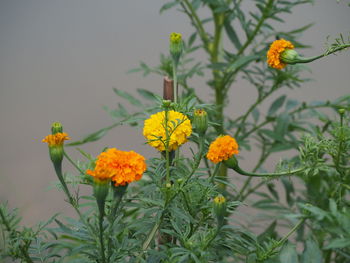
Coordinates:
[262,159]
[252,190]
[214,58]
[216,170]
[337,161]
[114,208]
[252,107]
[58,170]
[73,163]
[328,256]
[245,173]
[102,246]
[267,121]
[191,13]
[25,254]
[176,92]
[310,59]
[152,233]
[167,140]
[251,37]
[74,204]
[282,241]
[295,228]
[212,237]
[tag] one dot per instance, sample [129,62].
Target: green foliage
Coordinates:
[169,215]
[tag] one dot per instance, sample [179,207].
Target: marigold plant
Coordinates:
[187,206]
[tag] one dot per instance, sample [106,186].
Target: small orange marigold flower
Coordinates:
[56,139]
[222,149]
[274,54]
[119,166]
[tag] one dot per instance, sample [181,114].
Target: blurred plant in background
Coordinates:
[183,207]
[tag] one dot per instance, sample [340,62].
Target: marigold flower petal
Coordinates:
[222,149]
[179,128]
[119,166]
[274,54]
[56,139]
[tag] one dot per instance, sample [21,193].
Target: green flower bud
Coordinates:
[180,180]
[101,188]
[176,46]
[341,111]
[200,121]
[219,205]
[166,104]
[290,56]
[56,127]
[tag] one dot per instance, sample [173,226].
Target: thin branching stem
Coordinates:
[73,163]
[197,23]
[153,231]
[251,37]
[102,246]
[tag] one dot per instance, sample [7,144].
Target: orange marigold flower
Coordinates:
[222,149]
[56,139]
[119,166]
[275,52]
[178,125]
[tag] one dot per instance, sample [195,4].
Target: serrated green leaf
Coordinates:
[339,243]
[231,33]
[168,6]
[241,62]
[278,103]
[312,253]
[147,94]
[128,97]
[288,254]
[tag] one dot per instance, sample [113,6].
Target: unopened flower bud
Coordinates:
[101,188]
[200,121]
[290,56]
[341,111]
[220,208]
[56,127]
[176,46]
[166,104]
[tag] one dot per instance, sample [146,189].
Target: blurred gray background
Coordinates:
[59,61]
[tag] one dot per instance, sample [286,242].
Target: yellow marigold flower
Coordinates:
[119,166]
[222,149]
[56,139]
[175,38]
[178,127]
[274,55]
[219,199]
